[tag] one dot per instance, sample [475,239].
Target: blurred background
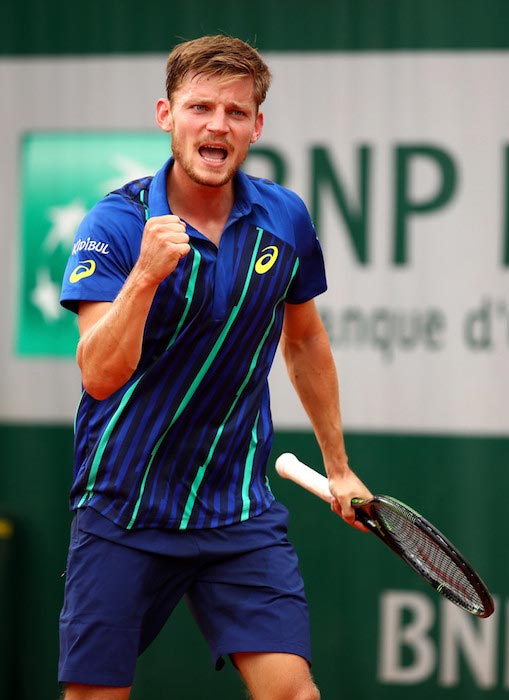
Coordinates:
[390,119]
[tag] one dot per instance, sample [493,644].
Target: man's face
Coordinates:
[213,121]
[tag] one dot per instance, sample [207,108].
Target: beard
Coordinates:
[210,178]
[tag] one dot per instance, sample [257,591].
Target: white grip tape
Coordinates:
[289,467]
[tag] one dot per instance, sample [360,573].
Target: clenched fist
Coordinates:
[164,242]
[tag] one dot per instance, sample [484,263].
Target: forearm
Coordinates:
[110,346]
[312,371]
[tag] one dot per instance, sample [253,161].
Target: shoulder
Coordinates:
[283,206]
[126,206]
[273,193]
[132,196]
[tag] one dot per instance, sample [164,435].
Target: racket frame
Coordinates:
[368,513]
[289,467]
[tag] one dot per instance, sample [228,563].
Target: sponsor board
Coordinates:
[408,190]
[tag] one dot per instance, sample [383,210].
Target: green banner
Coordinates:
[63,174]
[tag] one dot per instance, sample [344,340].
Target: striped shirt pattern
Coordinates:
[185,442]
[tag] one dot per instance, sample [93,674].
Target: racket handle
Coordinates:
[289,467]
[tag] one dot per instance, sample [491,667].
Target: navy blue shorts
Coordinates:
[242,584]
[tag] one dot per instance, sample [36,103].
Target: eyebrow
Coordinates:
[207,101]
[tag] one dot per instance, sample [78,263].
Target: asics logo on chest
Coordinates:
[267,260]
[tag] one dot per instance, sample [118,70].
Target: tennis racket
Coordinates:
[413,538]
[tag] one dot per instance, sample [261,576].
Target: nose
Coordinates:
[218,123]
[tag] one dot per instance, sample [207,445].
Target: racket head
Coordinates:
[427,551]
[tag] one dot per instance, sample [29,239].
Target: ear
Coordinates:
[163,115]
[258,128]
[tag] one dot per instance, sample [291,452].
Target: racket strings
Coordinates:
[428,556]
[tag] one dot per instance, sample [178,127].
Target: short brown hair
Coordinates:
[217,55]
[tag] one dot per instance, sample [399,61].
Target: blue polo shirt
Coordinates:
[185,442]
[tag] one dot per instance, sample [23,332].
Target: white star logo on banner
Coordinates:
[65,221]
[128,169]
[46,295]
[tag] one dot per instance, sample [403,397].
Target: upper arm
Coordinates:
[89,312]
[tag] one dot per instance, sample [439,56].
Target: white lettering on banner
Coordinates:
[411,650]
[395,636]
[477,642]
[91,245]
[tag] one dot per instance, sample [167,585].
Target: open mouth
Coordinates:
[213,154]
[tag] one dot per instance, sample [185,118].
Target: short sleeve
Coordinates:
[310,279]
[104,251]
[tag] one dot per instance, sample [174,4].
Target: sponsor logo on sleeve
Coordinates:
[90,245]
[84,269]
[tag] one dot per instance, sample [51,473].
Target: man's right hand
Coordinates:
[164,243]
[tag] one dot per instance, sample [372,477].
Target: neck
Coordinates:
[206,208]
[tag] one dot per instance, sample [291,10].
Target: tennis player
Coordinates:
[188,282]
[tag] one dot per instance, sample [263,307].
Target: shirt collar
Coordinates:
[247,194]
